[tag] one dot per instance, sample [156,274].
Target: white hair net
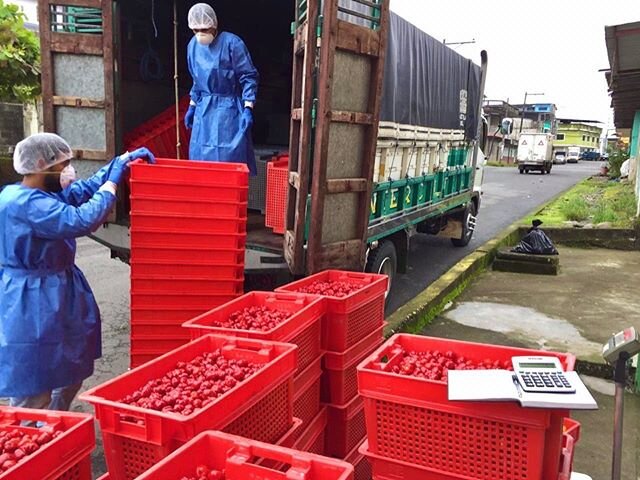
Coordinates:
[40,151]
[202,15]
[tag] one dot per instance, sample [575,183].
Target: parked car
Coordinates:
[590,156]
[560,158]
[573,155]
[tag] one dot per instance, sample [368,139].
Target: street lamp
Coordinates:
[524,105]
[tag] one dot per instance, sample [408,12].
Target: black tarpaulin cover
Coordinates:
[426,82]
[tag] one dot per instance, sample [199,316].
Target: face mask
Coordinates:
[204,38]
[67,176]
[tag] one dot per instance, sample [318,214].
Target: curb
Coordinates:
[416,314]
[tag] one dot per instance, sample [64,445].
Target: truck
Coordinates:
[534,152]
[382,123]
[573,154]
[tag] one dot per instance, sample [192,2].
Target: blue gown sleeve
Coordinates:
[56,220]
[245,71]
[82,190]
[193,93]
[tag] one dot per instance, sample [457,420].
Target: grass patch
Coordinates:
[595,201]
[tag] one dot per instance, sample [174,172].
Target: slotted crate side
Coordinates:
[306,397]
[277,188]
[348,427]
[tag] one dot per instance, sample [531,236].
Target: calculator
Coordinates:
[541,375]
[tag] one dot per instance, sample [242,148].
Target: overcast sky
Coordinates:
[551,47]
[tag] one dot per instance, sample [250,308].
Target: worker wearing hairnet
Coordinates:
[225,84]
[49,319]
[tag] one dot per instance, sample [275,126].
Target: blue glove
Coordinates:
[120,165]
[246,121]
[188,118]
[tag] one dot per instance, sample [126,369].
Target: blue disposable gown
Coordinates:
[223,79]
[49,319]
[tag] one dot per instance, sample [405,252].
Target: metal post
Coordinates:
[618,414]
[522,113]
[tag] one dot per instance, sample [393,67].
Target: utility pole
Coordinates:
[524,105]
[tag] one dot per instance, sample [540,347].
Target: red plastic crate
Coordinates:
[186,300]
[277,190]
[141,284]
[192,256]
[404,411]
[570,438]
[340,376]
[302,328]
[209,193]
[167,171]
[187,207]
[348,428]
[186,224]
[312,439]
[189,241]
[164,315]
[234,455]
[306,392]
[348,319]
[136,438]
[65,457]
[361,465]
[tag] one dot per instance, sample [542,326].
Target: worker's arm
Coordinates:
[57,220]
[245,71]
[82,190]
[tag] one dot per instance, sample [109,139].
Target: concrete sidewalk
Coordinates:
[595,295]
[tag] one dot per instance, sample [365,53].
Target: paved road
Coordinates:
[507,197]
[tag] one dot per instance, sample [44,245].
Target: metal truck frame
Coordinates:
[337,217]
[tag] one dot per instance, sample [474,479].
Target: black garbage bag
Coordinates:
[536,242]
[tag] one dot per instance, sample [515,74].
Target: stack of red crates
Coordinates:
[158,134]
[258,408]
[352,329]
[301,328]
[66,457]
[415,433]
[188,232]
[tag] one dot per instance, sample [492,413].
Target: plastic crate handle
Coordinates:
[13,418]
[285,297]
[567,457]
[238,464]
[393,354]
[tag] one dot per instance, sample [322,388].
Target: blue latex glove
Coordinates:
[120,165]
[188,118]
[246,121]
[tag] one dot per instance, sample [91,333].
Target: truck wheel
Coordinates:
[549,169]
[468,226]
[521,171]
[383,260]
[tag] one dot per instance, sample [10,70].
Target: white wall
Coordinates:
[29,7]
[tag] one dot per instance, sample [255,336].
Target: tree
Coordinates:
[19,57]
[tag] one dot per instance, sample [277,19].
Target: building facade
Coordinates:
[585,136]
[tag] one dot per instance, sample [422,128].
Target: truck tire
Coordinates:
[383,260]
[521,171]
[468,226]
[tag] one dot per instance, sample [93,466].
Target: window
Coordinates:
[584,138]
[560,136]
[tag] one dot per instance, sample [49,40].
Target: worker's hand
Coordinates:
[188,118]
[143,152]
[120,165]
[246,121]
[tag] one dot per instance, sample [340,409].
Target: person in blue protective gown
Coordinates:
[225,85]
[49,319]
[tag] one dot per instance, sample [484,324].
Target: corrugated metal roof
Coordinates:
[623,48]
